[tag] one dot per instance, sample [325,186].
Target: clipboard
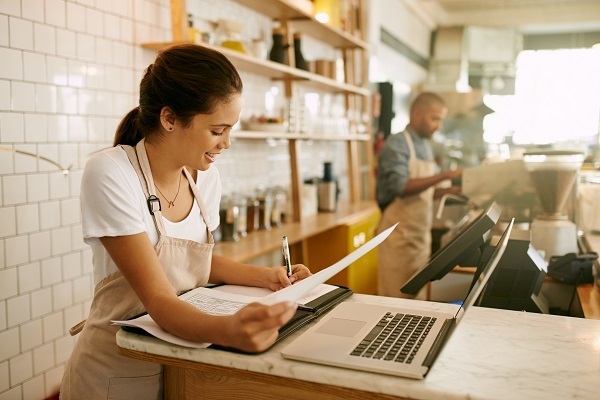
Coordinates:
[304,314]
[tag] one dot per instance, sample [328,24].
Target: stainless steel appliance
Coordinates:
[327,189]
[554,173]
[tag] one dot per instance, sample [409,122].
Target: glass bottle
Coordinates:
[277,52]
[194,34]
[298,57]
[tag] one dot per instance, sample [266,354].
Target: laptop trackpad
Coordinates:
[341,327]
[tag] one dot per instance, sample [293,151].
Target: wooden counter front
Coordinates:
[191,380]
[589,293]
[589,296]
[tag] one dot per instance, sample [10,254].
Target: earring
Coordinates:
[170,128]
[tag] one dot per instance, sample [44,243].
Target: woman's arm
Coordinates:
[253,328]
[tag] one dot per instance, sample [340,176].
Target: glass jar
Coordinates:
[252,214]
[265,208]
[242,204]
[279,211]
[229,215]
[229,35]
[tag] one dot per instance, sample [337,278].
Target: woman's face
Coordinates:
[209,134]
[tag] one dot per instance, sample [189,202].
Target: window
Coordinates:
[556,100]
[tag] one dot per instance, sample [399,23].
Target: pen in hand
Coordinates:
[286,255]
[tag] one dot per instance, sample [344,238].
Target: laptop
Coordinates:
[385,339]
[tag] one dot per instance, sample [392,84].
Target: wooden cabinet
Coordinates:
[326,248]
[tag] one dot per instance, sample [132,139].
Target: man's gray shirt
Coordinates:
[392,170]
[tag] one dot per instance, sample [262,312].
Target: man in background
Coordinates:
[405,189]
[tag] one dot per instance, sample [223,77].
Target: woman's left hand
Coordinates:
[277,276]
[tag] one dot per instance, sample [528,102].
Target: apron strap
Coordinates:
[203,212]
[77,328]
[413,159]
[411,147]
[148,187]
[412,155]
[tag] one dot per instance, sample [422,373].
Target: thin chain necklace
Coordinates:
[171,203]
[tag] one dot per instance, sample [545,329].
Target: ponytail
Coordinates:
[188,79]
[128,131]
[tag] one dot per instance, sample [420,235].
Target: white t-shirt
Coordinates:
[113,204]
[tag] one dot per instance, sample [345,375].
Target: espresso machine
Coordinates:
[554,174]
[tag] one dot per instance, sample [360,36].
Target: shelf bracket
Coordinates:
[179,20]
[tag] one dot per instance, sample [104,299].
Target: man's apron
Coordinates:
[95,369]
[408,247]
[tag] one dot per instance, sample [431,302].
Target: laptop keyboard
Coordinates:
[396,337]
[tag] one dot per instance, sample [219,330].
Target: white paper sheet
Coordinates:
[297,290]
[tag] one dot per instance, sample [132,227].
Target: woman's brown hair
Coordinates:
[188,79]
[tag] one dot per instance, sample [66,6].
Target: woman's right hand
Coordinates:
[254,328]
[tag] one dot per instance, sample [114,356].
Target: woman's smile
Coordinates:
[211,156]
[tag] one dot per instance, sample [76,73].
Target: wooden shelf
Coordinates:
[354,53]
[362,137]
[260,242]
[273,70]
[307,24]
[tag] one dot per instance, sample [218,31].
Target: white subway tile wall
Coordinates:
[2,315]
[4,379]
[21,368]
[34,388]
[31,335]
[70,70]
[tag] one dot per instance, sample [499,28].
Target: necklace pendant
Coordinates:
[169,202]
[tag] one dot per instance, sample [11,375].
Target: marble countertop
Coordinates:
[493,354]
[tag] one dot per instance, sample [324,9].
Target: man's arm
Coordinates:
[416,186]
[439,192]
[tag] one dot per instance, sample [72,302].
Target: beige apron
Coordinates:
[408,248]
[95,369]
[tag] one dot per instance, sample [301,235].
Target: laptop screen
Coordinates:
[484,273]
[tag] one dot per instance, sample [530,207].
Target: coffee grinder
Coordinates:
[553,173]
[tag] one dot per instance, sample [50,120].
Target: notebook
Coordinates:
[227,299]
[383,339]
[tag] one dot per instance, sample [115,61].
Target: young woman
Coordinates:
[149,205]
